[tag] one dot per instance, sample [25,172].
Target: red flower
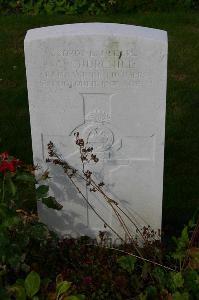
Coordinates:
[7,164]
[87,261]
[4,155]
[87,280]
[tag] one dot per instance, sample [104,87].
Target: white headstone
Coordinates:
[107,82]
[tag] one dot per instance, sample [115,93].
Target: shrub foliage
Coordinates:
[36,264]
[35,7]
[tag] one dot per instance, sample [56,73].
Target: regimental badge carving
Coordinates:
[99,136]
[97,129]
[98,116]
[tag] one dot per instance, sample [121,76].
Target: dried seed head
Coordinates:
[50,145]
[51,153]
[88,174]
[80,142]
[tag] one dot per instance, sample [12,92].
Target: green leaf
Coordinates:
[185,236]
[192,281]
[26,177]
[62,288]
[127,263]
[182,244]
[159,275]
[52,203]
[177,280]
[146,269]
[42,191]
[10,221]
[39,232]
[32,283]
[76,297]
[14,260]
[142,296]
[4,294]
[12,187]
[18,291]
[151,292]
[180,296]
[49,7]
[45,282]
[20,281]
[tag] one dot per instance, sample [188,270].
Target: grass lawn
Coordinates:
[181,191]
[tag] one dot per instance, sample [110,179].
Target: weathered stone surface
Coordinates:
[108,82]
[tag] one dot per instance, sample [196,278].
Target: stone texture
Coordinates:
[108,82]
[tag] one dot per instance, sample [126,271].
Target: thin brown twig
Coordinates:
[117,205]
[114,205]
[112,202]
[95,210]
[109,200]
[119,217]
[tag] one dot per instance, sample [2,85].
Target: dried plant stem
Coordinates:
[122,211]
[119,217]
[79,191]
[71,171]
[110,200]
[112,203]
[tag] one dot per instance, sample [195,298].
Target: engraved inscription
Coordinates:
[91,79]
[131,52]
[92,68]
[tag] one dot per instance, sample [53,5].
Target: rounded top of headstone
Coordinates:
[95,29]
